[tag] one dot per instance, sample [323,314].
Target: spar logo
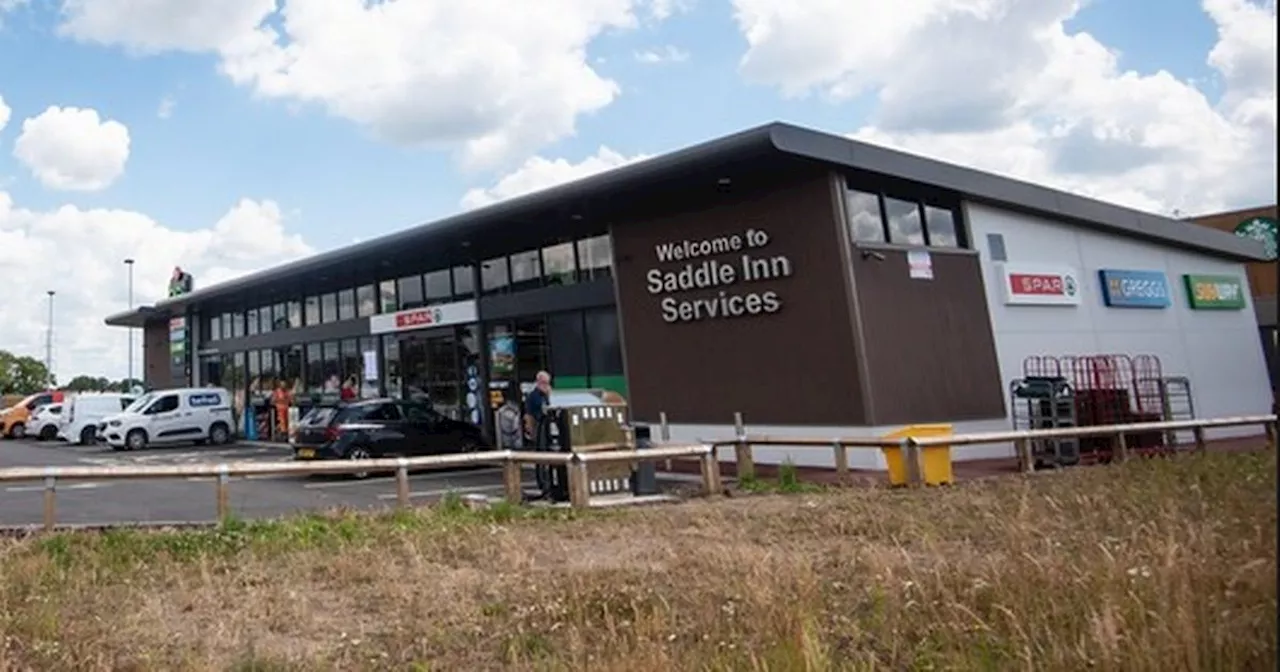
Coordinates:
[1044,284]
[422,317]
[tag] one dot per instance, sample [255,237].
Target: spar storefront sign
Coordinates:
[443,315]
[1040,285]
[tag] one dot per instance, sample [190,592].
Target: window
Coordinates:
[291,368]
[295,314]
[940,225]
[312,310]
[215,328]
[532,354]
[391,365]
[264,320]
[255,373]
[569,354]
[381,413]
[332,367]
[237,325]
[437,285]
[387,296]
[604,349]
[595,258]
[279,317]
[526,269]
[366,301]
[463,281]
[493,275]
[347,304]
[352,362]
[410,292]
[315,368]
[270,369]
[903,218]
[251,322]
[165,404]
[226,325]
[329,307]
[558,265]
[863,211]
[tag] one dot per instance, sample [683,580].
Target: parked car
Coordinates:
[44,422]
[165,417]
[13,420]
[82,413]
[379,428]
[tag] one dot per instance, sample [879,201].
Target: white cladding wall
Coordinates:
[1218,350]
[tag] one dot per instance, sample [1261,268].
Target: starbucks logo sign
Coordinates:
[1261,229]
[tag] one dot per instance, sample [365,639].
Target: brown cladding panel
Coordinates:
[795,366]
[1262,275]
[929,345]
[155,356]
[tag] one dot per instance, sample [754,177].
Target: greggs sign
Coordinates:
[443,315]
[1040,285]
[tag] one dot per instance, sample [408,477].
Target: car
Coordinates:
[44,422]
[377,428]
[13,420]
[167,417]
[82,413]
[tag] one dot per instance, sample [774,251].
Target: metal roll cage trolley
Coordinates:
[564,427]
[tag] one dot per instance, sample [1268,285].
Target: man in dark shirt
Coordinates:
[535,402]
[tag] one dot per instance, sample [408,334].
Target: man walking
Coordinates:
[534,405]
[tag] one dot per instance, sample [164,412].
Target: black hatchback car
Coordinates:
[381,428]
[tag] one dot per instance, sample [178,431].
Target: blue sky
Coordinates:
[335,179]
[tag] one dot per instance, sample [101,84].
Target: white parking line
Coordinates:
[461,490]
[69,486]
[417,478]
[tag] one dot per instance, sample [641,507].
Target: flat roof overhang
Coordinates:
[523,220]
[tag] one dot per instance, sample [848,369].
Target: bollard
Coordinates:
[1122,448]
[579,484]
[402,484]
[842,461]
[223,486]
[743,462]
[511,481]
[1025,460]
[1198,432]
[50,498]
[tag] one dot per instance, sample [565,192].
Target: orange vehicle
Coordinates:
[13,420]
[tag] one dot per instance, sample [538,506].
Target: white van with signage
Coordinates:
[83,412]
[165,417]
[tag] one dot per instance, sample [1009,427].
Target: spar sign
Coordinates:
[1040,285]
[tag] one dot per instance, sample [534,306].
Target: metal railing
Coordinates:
[743,443]
[512,461]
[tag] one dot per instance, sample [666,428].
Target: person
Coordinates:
[509,426]
[535,403]
[348,391]
[281,399]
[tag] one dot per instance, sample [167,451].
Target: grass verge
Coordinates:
[1156,565]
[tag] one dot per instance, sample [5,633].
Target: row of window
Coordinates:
[880,218]
[559,264]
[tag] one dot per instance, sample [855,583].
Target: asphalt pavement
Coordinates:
[194,499]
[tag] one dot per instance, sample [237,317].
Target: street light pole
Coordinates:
[48,344]
[129,378]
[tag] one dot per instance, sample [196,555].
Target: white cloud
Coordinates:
[664,54]
[165,109]
[5,112]
[495,78]
[73,148]
[538,173]
[664,9]
[1015,92]
[7,6]
[80,255]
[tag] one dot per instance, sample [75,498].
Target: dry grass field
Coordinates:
[1165,565]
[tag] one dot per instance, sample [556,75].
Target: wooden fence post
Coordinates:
[512,481]
[50,501]
[744,462]
[710,473]
[1026,461]
[579,485]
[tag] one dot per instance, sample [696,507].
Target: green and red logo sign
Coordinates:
[1214,292]
[1261,229]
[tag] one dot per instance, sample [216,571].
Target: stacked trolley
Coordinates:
[1091,390]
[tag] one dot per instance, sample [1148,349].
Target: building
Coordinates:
[1259,224]
[814,284]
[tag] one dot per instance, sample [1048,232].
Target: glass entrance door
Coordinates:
[429,368]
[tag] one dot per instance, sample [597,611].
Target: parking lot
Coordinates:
[194,499]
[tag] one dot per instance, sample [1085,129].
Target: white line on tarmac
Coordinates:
[70,486]
[462,490]
[417,478]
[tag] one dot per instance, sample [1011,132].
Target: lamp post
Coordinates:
[129,378]
[48,344]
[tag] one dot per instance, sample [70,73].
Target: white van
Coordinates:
[190,414]
[82,413]
[43,423]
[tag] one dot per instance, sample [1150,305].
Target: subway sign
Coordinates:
[1134,289]
[1214,292]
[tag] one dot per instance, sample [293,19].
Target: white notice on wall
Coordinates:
[370,365]
[920,264]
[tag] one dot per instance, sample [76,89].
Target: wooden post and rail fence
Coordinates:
[578,464]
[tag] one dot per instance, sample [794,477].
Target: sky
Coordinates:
[227,136]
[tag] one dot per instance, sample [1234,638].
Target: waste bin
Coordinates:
[935,461]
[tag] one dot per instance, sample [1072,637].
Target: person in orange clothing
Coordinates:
[281,398]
